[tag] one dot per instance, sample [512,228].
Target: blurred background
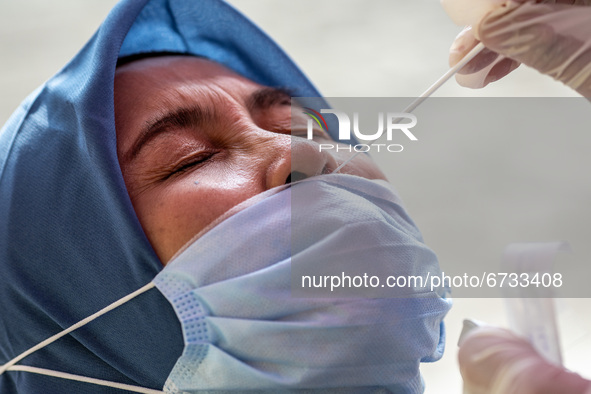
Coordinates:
[373,48]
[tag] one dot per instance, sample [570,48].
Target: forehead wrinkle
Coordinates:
[199,103]
[214,98]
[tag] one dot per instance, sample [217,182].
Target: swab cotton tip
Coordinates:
[469,12]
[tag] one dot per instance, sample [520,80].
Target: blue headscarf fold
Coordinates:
[70,242]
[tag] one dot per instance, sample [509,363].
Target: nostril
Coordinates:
[295,176]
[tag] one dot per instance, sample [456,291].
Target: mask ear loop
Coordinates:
[84,379]
[10,365]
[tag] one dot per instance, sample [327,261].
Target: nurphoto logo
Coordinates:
[390,123]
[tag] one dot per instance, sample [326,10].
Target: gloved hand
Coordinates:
[552,36]
[496,361]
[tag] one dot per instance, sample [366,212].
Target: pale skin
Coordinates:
[195,139]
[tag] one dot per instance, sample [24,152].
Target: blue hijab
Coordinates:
[70,242]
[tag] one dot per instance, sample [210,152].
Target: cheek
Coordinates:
[172,215]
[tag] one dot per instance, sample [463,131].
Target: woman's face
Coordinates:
[194,139]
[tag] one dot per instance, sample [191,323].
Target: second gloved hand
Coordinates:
[496,361]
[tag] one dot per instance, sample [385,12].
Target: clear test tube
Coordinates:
[530,309]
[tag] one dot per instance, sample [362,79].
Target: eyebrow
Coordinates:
[267,97]
[196,116]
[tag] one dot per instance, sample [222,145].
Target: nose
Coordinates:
[299,159]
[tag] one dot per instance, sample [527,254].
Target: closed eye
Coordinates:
[190,162]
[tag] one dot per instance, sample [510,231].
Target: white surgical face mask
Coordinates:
[243,329]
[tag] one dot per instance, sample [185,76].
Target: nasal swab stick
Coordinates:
[450,73]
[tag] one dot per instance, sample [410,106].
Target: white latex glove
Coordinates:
[552,36]
[496,361]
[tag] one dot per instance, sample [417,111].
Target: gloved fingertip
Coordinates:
[472,81]
[463,43]
[500,70]
[480,62]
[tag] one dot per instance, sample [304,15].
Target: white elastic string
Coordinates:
[432,89]
[81,323]
[78,378]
